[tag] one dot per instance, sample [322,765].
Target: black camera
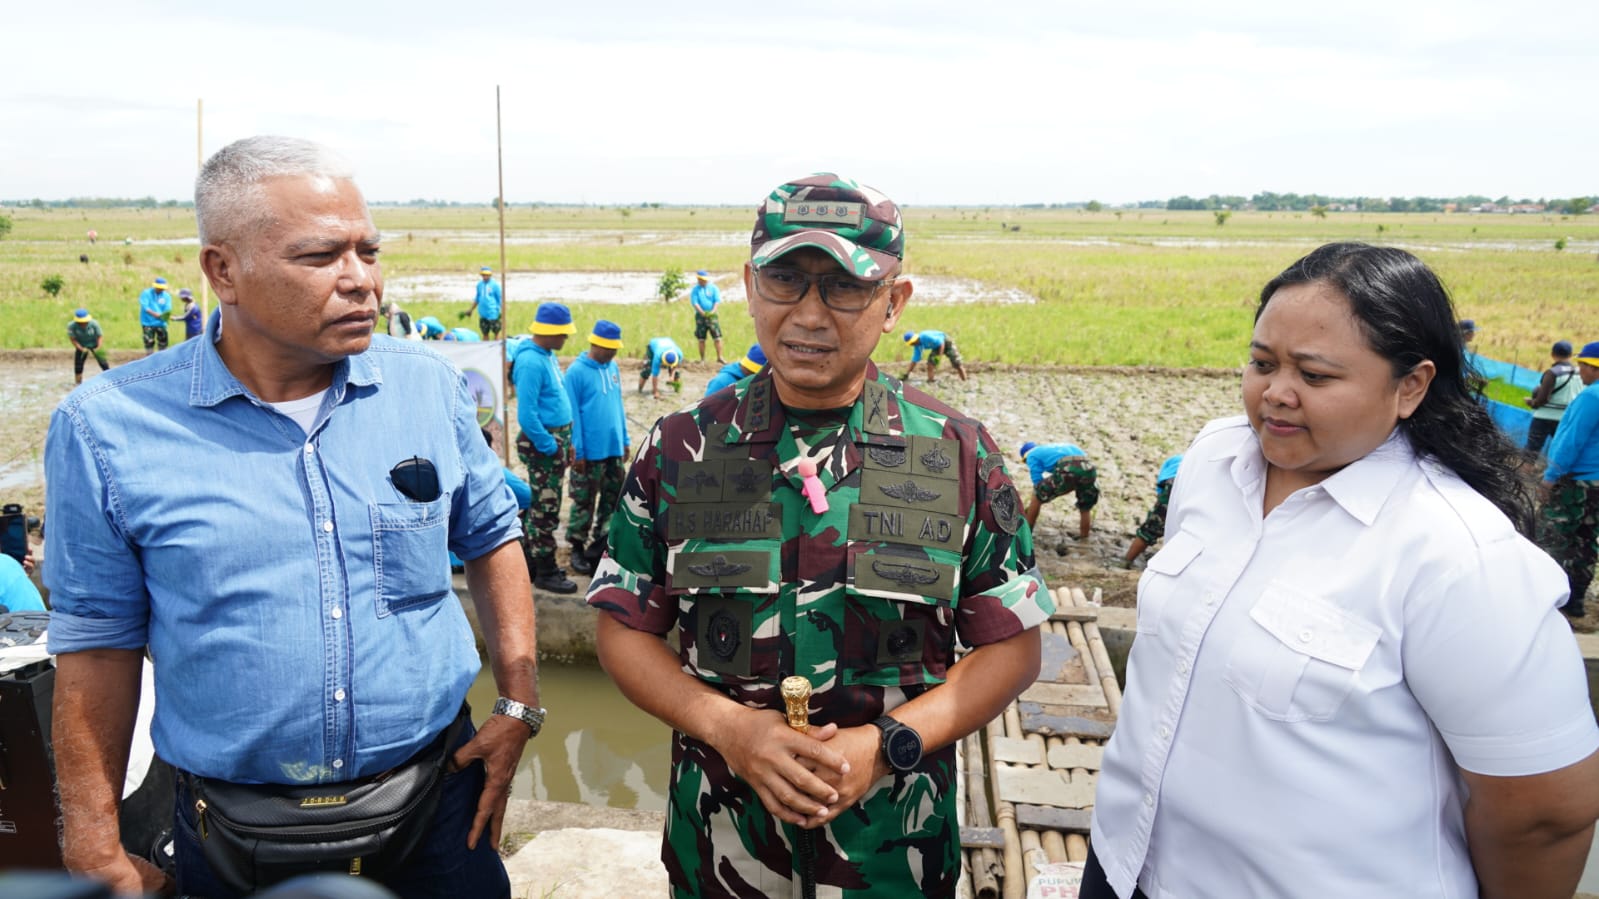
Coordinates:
[13,531]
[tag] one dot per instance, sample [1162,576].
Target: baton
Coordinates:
[797,698]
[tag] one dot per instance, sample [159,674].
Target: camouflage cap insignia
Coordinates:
[1006,506]
[833,213]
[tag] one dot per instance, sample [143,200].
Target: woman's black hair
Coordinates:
[1407,317]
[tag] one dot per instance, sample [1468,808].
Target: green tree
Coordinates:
[671,284]
[52,285]
[1222,215]
[1573,206]
[1318,211]
[5,226]
[1560,244]
[1094,206]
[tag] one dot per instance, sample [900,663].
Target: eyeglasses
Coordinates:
[787,286]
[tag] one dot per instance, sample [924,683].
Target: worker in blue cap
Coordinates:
[659,353]
[1059,469]
[599,445]
[544,414]
[1568,521]
[704,298]
[487,303]
[937,345]
[1154,526]
[733,372]
[155,310]
[1556,389]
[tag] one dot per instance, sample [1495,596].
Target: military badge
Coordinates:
[1006,506]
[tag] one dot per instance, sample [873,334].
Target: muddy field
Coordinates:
[1127,420]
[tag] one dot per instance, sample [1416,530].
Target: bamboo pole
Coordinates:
[984,877]
[505,294]
[1015,880]
[199,163]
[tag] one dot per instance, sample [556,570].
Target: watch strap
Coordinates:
[531,716]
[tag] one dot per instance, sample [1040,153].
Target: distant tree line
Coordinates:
[1275,202]
[100,203]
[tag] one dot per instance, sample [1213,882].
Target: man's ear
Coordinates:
[222,267]
[898,296]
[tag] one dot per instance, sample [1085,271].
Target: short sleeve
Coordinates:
[629,580]
[1495,665]
[97,592]
[482,508]
[1004,593]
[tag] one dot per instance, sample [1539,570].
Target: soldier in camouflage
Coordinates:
[819,519]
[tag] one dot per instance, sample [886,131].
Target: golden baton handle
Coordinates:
[797,697]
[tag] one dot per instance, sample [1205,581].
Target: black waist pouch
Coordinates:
[255,835]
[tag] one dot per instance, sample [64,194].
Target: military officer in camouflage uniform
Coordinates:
[823,520]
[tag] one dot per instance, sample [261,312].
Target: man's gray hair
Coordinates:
[227,194]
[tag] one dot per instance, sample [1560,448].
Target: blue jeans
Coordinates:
[441,868]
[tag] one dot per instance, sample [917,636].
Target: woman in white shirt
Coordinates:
[1350,678]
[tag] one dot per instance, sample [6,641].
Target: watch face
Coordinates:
[903,748]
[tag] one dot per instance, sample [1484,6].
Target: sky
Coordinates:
[934,103]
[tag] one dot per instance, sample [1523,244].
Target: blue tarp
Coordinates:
[1514,422]
[1509,372]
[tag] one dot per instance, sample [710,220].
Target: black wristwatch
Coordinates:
[902,745]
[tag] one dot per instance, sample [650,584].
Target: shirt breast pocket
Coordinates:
[1302,657]
[899,617]
[1158,586]
[729,622]
[411,554]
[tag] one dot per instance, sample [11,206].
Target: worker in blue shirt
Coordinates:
[544,414]
[487,303]
[1568,522]
[430,328]
[155,310]
[192,326]
[17,592]
[599,445]
[937,344]
[704,298]
[1058,469]
[1154,525]
[659,353]
[733,372]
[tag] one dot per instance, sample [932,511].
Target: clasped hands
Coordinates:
[806,779]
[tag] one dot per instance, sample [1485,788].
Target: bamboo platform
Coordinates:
[1029,776]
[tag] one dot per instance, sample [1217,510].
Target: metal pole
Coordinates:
[505,295]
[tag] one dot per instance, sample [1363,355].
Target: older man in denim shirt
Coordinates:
[292,591]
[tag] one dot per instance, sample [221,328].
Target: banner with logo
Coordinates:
[481,362]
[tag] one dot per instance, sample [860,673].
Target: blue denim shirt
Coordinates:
[296,604]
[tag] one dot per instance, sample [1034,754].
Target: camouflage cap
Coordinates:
[856,225]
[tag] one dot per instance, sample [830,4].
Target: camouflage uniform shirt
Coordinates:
[923,543]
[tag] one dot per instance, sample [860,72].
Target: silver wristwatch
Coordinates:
[532,717]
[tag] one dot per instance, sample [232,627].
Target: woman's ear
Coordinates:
[1413,387]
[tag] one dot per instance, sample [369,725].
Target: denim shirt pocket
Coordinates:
[1302,658]
[1158,585]
[411,554]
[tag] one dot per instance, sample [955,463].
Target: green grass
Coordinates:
[1150,287]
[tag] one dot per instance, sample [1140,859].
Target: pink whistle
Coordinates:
[811,486]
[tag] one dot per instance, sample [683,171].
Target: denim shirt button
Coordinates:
[327,526]
[337,613]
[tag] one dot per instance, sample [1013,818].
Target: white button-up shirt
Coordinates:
[1304,687]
